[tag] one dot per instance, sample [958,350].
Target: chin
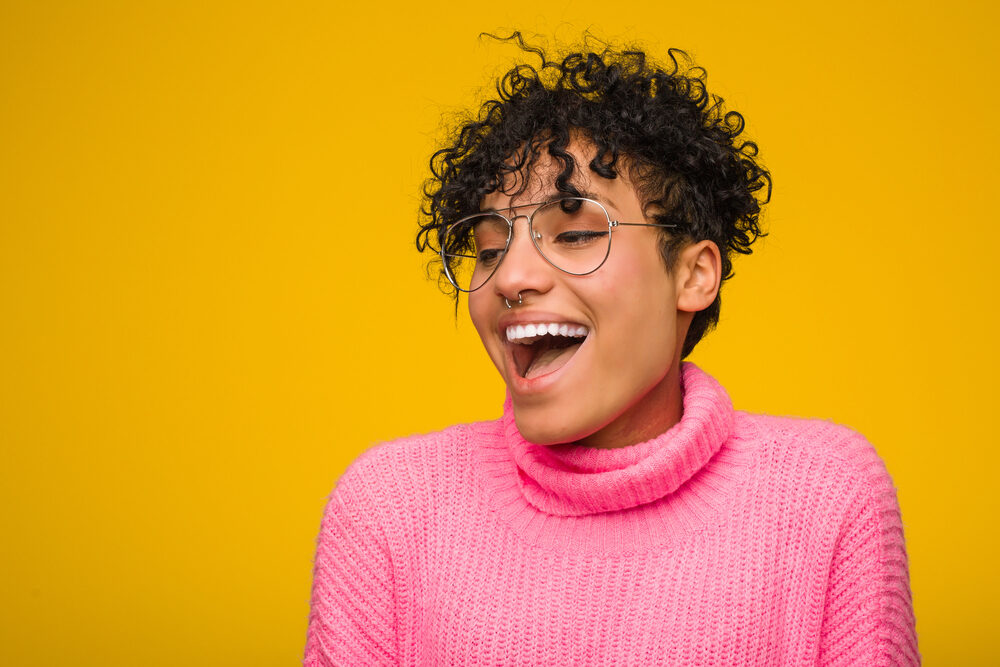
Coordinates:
[545,430]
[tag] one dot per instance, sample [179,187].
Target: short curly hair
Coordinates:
[678,143]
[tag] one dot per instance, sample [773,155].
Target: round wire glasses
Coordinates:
[573,234]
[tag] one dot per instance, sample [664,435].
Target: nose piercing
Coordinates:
[508,302]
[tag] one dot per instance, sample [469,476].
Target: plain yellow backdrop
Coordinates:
[210,302]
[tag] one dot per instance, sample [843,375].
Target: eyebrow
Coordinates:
[559,195]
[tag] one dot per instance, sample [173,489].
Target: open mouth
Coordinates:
[543,348]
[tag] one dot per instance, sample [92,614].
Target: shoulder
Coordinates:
[391,460]
[827,452]
[403,475]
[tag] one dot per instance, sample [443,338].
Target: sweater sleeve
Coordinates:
[352,615]
[868,616]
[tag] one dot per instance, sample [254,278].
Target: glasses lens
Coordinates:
[473,248]
[573,234]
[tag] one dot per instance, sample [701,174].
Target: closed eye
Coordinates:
[581,237]
[489,257]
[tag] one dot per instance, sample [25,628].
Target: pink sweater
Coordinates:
[731,539]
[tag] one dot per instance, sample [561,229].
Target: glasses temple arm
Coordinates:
[615,223]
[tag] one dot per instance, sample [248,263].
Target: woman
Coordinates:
[620,512]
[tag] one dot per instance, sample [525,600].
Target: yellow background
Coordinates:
[210,302]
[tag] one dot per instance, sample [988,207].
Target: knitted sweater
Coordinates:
[731,539]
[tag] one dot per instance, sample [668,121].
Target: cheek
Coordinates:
[479,314]
[638,316]
[643,333]
[483,315]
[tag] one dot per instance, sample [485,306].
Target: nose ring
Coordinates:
[508,302]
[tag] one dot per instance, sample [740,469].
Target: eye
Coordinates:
[580,237]
[489,257]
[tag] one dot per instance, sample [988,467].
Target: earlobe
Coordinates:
[699,277]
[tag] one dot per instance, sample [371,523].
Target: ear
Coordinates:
[698,275]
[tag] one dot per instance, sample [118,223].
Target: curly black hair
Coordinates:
[679,144]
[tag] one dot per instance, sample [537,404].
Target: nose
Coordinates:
[523,269]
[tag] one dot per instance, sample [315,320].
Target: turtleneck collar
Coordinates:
[572,480]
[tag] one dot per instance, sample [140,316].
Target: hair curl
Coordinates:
[680,145]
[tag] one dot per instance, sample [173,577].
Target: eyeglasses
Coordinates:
[573,234]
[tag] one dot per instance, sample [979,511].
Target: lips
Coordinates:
[540,347]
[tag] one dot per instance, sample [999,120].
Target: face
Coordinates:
[620,385]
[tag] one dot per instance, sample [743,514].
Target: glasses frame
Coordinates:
[534,238]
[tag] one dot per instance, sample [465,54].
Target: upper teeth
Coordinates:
[520,332]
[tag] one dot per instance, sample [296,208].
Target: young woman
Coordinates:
[620,512]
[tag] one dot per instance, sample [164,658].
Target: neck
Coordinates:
[652,414]
[569,480]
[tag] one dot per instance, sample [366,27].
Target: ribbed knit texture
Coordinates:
[731,539]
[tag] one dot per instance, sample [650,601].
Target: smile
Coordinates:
[529,333]
[542,348]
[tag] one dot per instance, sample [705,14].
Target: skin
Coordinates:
[623,385]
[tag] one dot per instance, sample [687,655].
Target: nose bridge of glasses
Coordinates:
[520,216]
[522,259]
[517,236]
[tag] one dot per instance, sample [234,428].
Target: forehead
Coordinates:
[537,181]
